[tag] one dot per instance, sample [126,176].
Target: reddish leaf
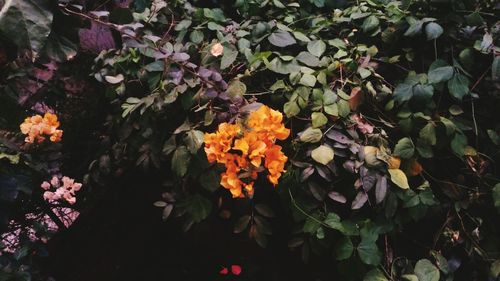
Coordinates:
[97,38]
[356,98]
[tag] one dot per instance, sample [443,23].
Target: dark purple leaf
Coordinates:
[204,72]
[317,191]
[349,165]
[180,57]
[381,188]
[359,201]
[324,172]
[306,173]
[216,76]
[211,93]
[97,38]
[335,196]
[338,137]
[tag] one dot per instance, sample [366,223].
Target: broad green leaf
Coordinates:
[26,23]
[236,88]
[369,252]
[228,57]
[409,277]
[440,74]
[59,48]
[426,271]
[399,178]
[495,269]
[318,119]
[333,221]
[343,248]
[311,135]
[375,275]
[428,134]
[308,59]
[194,140]
[496,196]
[241,224]
[458,86]
[414,29]
[291,109]
[403,92]
[301,36]
[322,154]
[370,23]
[180,161]
[458,143]
[433,30]
[198,207]
[281,38]
[308,80]
[404,148]
[317,47]
[196,36]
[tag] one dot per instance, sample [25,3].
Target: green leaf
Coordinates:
[241,224]
[403,92]
[281,38]
[495,69]
[301,36]
[458,143]
[318,119]
[404,148]
[322,154]
[426,271]
[265,210]
[399,178]
[496,196]
[59,48]
[440,74]
[291,109]
[458,86]
[409,277]
[308,59]
[198,207]
[308,80]
[26,23]
[423,92]
[311,135]
[228,57]
[180,161]
[343,248]
[317,47]
[495,269]
[194,140]
[196,36]
[369,252]
[375,275]
[433,30]
[333,221]
[370,23]
[236,88]
[414,29]
[428,134]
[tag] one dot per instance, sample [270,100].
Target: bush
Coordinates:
[371,125]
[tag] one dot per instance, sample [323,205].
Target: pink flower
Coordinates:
[54,181]
[217,49]
[67,182]
[364,127]
[77,186]
[45,185]
[48,195]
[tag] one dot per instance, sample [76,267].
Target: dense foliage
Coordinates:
[373,123]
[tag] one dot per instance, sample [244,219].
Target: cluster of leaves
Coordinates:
[391,105]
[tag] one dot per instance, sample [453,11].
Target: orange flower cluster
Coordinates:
[242,148]
[38,127]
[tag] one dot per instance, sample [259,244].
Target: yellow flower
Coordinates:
[37,128]
[243,148]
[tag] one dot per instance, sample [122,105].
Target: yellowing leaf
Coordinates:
[322,154]
[399,178]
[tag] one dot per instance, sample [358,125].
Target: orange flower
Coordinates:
[37,128]
[243,148]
